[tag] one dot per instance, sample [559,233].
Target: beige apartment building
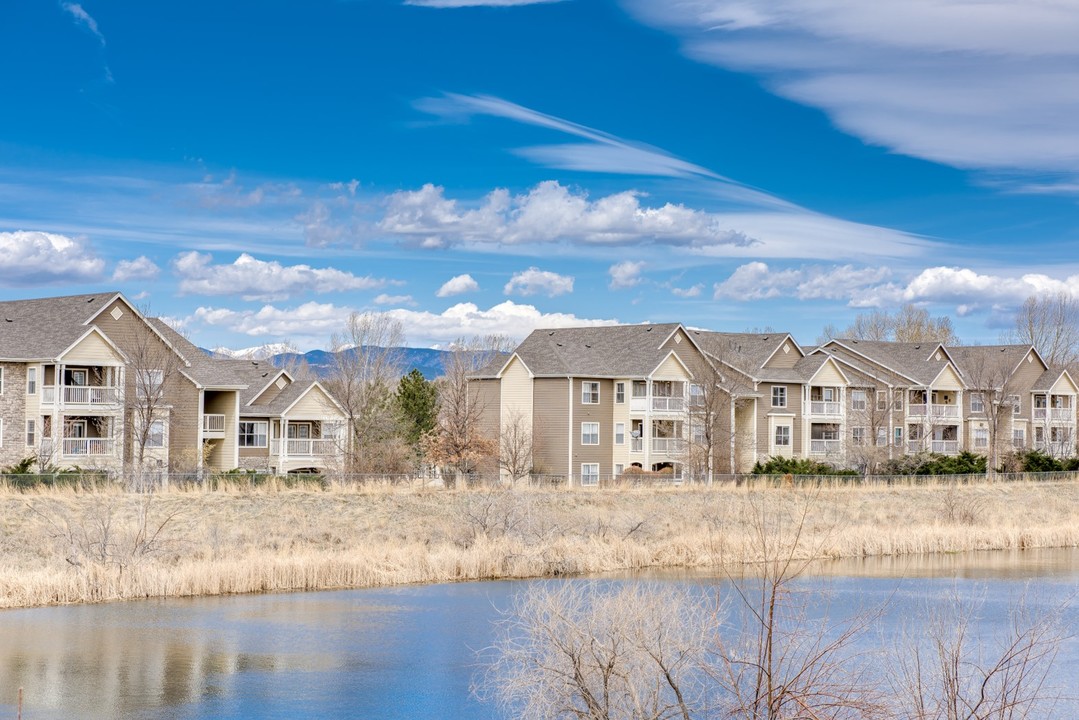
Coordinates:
[88,381]
[599,402]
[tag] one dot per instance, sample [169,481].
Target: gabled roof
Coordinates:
[287,399]
[913,361]
[44,328]
[630,351]
[1049,379]
[969,357]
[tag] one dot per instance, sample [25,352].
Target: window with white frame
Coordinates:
[779,396]
[620,392]
[696,395]
[31,433]
[857,400]
[589,474]
[148,383]
[31,381]
[882,437]
[589,392]
[897,400]
[1016,403]
[783,435]
[977,403]
[253,434]
[619,433]
[619,468]
[897,436]
[155,438]
[882,399]
[1060,434]
[1039,434]
[857,436]
[1019,437]
[590,433]
[981,437]
[640,388]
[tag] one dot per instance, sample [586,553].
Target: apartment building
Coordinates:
[89,381]
[601,401]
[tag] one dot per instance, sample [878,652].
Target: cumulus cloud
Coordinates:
[757,281]
[625,274]
[534,281]
[313,322]
[549,213]
[31,257]
[141,268]
[255,279]
[690,292]
[969,290]
[993,86]
[457,285]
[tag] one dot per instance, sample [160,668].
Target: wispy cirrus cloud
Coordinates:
[991,86]
[255,279]
[84,19]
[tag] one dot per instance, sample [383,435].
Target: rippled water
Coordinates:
[405,652]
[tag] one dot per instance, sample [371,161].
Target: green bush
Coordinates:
[797,466]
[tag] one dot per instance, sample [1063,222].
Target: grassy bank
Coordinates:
[59,546]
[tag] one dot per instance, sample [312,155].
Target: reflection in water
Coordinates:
[400,653]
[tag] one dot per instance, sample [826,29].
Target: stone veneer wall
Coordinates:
[13,412]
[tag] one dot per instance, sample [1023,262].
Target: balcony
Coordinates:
[668,446]
[636,445]
[88,395]
[1055,414]
[825,407]
[825,447]
[92,447]
[213,425]
[301,447]
[668,404]
[934,410]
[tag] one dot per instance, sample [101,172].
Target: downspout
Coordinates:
[569,443]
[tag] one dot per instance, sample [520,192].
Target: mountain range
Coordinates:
[427,361]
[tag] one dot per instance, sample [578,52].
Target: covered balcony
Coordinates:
[1054,408]
[307,439]
[826,401]
[666,396]
[667,437]
[942,440]
[933,404]
[824,439]
[92,387]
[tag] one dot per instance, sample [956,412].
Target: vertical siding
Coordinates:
[550,418]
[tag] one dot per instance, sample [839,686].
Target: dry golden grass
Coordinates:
[62,547]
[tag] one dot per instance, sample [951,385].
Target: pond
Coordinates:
[404,652]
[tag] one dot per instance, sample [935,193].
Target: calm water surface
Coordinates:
[405,652]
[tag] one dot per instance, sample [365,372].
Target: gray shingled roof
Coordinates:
[43,328]
[606,351]
[1047,380]
[970,358]
[747,352]
[912,360]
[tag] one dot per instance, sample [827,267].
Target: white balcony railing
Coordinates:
[824,447]
[636,445]
[668,446]
[298,447]
[81,394]
[668,404]
[825,407]
[946,447]
[213,423]
[935,410]
[75,447]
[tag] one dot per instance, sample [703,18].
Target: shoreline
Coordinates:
[61,547]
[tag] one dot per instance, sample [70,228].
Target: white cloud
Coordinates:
[969,290]
[549,213]
[312,323]
[476,3]
[757,281]
[457,285]
[534,281]
[141,268]
[31,257]
[690,292]
[384,299]
[991,85]
[255,279]
[83,18]
[625,274]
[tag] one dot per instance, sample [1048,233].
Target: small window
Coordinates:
[857,435]
[882,400]
[1019,437]
[148,384]
[696,395]
[253,434]
[898,436]
[31,433]
[155,438]
[620,392]
[619,433]
[31,381]
[619,468]
[779,397]
[897,400]
[1017,404]
[977,403]
[590,433]
[981,438]
[882,437]
[857,400]
[589,392]
[783,435]
[589,474]
[640,389]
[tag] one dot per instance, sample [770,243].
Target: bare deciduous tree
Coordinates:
[516,446]
[153,369]
[907,324]
[1051,324]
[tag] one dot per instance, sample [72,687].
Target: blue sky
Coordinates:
[255,171]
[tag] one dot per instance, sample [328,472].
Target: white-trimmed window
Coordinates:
[857,400]
[779,397]
[620,392]
[783,435]
[981,437]
[1017,404]
[619,433]
[897,400]
[590,433]
[148,383]
[619,468]
[155,438]
[696,395]
[253,433]
[977,403]
[882,437]
[1019,437]
[1060,434]
[882,399]
[31,433]
[857,435]
[31,381]
[589,392]
[589,474]
[897,436]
